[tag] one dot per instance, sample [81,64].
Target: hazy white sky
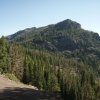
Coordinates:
[16,15]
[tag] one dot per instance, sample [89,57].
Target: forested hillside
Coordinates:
[60,57]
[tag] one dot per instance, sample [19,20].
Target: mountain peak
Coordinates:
[67,24]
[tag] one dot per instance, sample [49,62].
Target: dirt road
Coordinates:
[10,90]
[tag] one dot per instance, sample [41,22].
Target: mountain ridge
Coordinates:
[65,35]
[63,24]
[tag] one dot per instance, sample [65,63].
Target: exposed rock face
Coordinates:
[67,25]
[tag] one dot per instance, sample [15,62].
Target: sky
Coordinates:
[17,15]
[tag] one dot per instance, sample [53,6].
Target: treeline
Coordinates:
[74,78]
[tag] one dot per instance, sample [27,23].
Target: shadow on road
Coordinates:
[27,94]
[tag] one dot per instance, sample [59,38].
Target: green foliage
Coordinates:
[60,57]
[74,78]
[3,55]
